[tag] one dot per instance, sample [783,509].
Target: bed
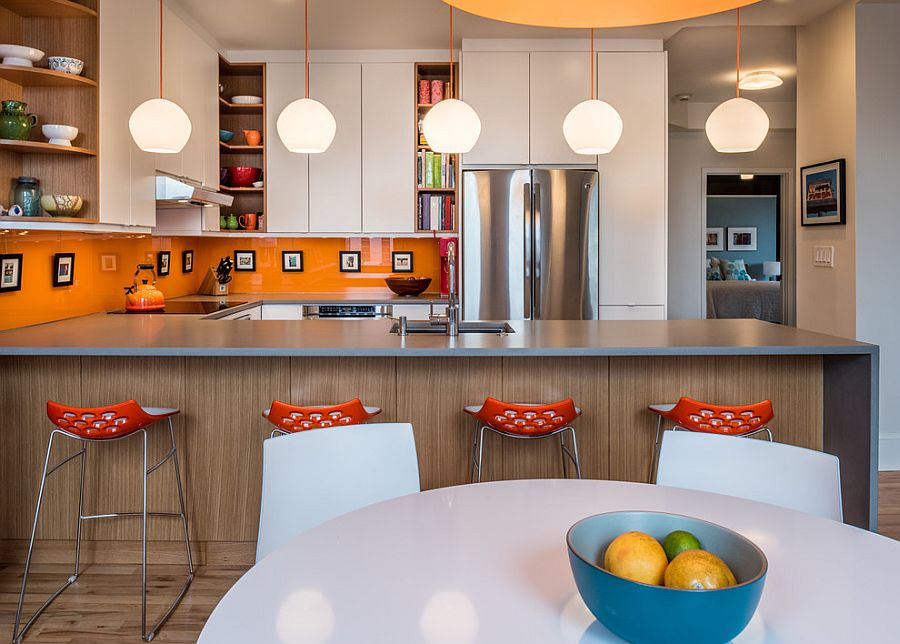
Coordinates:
[741,299]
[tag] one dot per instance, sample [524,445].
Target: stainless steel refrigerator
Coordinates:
[530,244]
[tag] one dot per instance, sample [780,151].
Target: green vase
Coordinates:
[232,222]
[15,124]
[222,223]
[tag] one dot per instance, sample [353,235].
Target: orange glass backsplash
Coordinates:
[105,264]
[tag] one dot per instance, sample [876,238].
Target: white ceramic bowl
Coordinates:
[246,100]
[21,56]
[66,64]
[59,134]
[257,184]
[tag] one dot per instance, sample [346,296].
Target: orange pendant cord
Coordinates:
[160,48]
[306,43]
[451,53]
[593,71]
[737,81]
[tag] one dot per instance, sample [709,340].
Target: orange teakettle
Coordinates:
[144,296]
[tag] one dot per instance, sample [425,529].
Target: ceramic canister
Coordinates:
[437,91]
[424,92]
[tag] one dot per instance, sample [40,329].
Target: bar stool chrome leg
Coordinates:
[480,452]
[651,475]
[562,455]
[574,454]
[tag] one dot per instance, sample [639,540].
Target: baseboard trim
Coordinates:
[62,551]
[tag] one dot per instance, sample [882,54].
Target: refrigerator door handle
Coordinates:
[536,251]
[528,258]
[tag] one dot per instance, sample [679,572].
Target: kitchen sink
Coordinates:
[499,328]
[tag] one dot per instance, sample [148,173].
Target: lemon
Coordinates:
[698,570]
[636,556]
[678,541]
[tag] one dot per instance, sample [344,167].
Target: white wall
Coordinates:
[877,206]
[689,154]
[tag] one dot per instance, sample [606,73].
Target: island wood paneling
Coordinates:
[221,430]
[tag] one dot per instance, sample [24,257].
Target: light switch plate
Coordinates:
[823,256]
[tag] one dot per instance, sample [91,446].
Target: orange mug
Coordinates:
[253,137]
[248,221]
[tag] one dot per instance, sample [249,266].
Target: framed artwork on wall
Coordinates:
[715,239]
[350,261]
[10,273]
[187,261]
[292,261]
[823,194]
[402,262]
[109,263]
[742,239]
[163,261]
[245,260]
[63,269]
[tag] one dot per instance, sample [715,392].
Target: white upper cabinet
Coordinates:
[129,76]
[496,85]
[335,176]
[388,135]
[559,81]
[287,173]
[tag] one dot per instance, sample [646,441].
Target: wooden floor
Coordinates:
[103,606]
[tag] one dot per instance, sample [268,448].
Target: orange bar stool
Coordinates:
[91,426]
[289,419]
[525,422]
[695,416]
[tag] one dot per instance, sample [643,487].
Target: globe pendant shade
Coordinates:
[451,126]
[160,126]
[306,127]
[592,127]
[736,126]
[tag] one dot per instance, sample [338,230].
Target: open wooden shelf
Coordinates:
[71,220]
[250,189]
[38,147]
[48,9]
[237,149]
[447,190]
[40,77]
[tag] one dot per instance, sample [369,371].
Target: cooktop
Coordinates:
[187,308]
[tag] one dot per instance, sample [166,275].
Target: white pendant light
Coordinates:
[760,80]
[159,125]
[737,125]
[592,127]
[306,126]
[451,126]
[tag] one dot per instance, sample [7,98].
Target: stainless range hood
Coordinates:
[179,193]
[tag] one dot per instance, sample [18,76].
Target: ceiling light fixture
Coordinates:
[594,13]
[737,125]
[159,125]
[760,80]
[306,126]
[451,126]
[592,127]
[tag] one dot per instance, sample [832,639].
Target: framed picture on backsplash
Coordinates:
[402,262]
[163,261]
[187,261]
[245,261]
[350,261]
[292,261]
[742,239]
[109,263]
[63,269]
[10,273]
[715,239]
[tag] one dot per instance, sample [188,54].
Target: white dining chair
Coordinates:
[312,476]
[792,477]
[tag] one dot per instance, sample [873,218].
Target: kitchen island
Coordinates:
[223,373]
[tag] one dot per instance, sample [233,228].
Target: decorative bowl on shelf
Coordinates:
[66,64]
[639,612]
[408,286]
[59,134]
[62,205]
[242,176]
[247,100]
[258,184]
[19,55]
[225,136]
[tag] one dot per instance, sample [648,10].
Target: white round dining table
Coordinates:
[488,563]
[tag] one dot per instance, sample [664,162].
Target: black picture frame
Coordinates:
[287,266]
[819,180]
[187,261]
[163,263]
[12,280]
[247,267]
[63,263]
[398,265]
[350,261]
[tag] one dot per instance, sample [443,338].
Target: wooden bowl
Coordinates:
[408,286]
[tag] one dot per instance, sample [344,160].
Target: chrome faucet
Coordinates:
[452,296]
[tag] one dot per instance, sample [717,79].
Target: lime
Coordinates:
[677,542]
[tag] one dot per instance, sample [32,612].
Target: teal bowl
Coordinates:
[649,614]
[225,136]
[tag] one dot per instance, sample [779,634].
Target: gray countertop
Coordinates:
[185,335]
[359,297]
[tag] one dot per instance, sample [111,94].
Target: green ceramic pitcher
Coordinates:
[231,223]
[14,122]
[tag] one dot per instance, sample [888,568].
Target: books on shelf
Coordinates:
[436,212]
[436,170]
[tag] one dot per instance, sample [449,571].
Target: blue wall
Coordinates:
[742,212]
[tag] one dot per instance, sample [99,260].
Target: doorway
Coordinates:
[748,249]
